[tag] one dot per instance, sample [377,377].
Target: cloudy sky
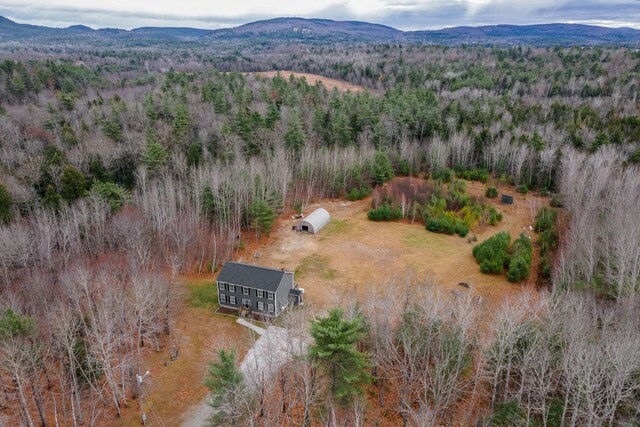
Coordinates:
[402,14]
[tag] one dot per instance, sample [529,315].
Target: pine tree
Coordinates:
[334,351]
[154,155]
[262,216]
[227,389]
[382,168]
[72,184]
[273,115]
[294,136]
[6,203]
[113,129]
[181,124]
[51,199]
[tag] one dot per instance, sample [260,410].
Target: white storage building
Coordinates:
[315,221]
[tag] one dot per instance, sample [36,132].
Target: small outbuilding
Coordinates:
[315,221]
[507,199]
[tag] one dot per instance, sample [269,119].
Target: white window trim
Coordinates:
[232,300]
[247,301]
[260,306]
[246,291]
[223,298]
[272,308]
[232,288]
[260,293]
[221,286]
[270,295]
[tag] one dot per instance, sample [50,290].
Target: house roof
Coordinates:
[253,276]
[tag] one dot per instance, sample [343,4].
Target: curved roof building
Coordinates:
[315,221]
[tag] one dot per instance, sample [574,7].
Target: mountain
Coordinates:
[325,31]
[309,30]
[545,34]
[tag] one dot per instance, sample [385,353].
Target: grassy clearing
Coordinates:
[203,295]
[316,265]
[337,226]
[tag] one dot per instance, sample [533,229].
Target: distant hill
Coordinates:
[310,29]
[571,34]
[324,31]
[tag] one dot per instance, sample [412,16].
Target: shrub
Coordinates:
[358,193]
[443,174]
[476,174]
[522,188]
[461,229]
[494,216]
[492,192]
[521,255]
[385,213]
[441,225]
[492,254]
[545,219]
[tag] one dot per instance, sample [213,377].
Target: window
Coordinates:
[223,298]
[246,303]
[260,293]
[232,288]
[221,286]
[245,290]
[270,295]
[271,308]
[260,306]
[232,300]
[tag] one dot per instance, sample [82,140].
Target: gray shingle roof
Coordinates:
[253,276]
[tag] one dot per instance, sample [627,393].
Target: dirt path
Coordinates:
[342,86]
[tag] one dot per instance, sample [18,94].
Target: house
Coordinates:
[259,290]
[315,221]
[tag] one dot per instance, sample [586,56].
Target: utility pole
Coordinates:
[141,378]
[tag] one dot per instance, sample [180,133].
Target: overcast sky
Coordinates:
[402,14]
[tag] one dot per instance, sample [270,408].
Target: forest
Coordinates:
[123,169]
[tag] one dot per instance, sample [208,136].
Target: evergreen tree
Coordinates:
[67,135]
[72,184]
[18,86]
[341,132]
[150,109]
[51,199]
[382,168]
[273,115]
[113,129]
[114,194]
[181,124]
[227,389]
[334,351]
[294,136]
[6,204]
[154,155]
[262,216]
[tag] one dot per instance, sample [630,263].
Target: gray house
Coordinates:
[259,290]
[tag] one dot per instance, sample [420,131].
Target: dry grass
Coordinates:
[174,387]
[355,253]
[312,79]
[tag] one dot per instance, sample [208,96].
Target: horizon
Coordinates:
[405,15]
[80,24]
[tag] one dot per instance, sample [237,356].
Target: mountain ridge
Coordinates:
[316,30]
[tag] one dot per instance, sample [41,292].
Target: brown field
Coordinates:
[342,86]
[351,253]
